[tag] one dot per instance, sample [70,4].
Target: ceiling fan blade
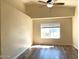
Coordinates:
[58,3]
[54,0]
[42,2]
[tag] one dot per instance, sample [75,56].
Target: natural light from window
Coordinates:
[50,30]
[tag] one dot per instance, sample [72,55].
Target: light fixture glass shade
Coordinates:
[49,5]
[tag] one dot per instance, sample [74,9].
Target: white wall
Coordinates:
[17,4]
[0,28]
[16,31]
[65,34]
[75,29]
[75,25]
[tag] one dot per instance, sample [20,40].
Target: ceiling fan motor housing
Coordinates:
[49,1]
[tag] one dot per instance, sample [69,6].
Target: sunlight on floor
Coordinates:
[42,46]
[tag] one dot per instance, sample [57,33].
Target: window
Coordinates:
[50,30]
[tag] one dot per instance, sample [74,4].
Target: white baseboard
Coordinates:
[19,54]
[75,47]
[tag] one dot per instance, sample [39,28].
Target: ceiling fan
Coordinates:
[50,3]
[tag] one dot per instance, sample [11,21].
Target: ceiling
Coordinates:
[34,10]
[67,2]
[38,11]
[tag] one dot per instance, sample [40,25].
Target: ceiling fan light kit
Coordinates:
[49,5]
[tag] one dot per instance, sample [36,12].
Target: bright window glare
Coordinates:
[50,32]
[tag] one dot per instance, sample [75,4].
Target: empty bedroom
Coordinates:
[38,29]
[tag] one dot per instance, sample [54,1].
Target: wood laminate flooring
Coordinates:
[51,52]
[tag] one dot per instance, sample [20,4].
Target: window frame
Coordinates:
[52,27]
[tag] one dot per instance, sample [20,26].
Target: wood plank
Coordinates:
[53,52]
